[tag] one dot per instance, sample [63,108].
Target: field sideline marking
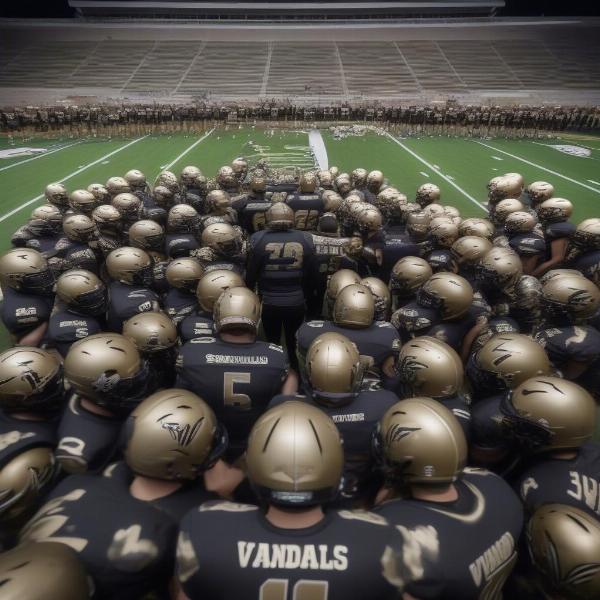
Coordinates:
[80,170]
[528,162]
[436,171]
[188,149]
[39,156]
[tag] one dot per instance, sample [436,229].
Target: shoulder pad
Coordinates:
[203,340]
[276,348]
[315,324]
[364,516]
[219,505]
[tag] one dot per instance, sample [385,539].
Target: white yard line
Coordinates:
[70,175]
[317,145]
[444,177]
[528,162]
[22,162]
[188,149]
[594,182]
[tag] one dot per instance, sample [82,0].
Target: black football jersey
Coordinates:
[528,244]
[179,304]
[178,245]
[575,342]
[330,256]
[278,262]
[80,256]
[198,324]
[125,301]
[379,340]
[251,212]
[441,259]
[237,380]
[589,264]
[22,313]
[574,482]
[356,422]
[126,545]
[46,245]
[454,331]
[413,320]
[473,538]
[18,435]
[66,327]
[86,440]
[339,558]
[307,210]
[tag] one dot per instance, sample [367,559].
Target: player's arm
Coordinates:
[290,385]
[253,263]
[559,251]
[35,337]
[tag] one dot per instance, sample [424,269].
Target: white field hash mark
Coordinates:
[71,175]
[528,162]
[444,177]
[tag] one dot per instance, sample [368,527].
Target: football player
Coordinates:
[129,207]
[538,192]
[280,265]
[183,224]
[235,373]
[222,248]
[57,195]
[45,231]
[81,235]
[107,220]
[79,311]
[428,193]
[130,270]
[353,317]
[27,287]
[408,275]
[553,422]
[252,206]
[294,462]
[467,251]
[584,250]
[227,180]
[470,519]
[116,186]
[108,378]
[306,203]
[183,275]
[334,375]
[83,201]
[218,209]
[138,185]
[381,297]
[170,439]
[146,234]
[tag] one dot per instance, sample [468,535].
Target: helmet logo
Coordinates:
[183,435]
[398,432]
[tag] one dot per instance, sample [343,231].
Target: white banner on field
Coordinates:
[572,150]
[317,145]
[17,152]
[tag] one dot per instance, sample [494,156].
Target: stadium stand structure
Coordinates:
[500,61]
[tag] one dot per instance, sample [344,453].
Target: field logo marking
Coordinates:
[432,167]
[528,162]
[188,149]
[41,155]
[70,175]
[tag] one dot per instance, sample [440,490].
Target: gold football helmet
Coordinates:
[101,194]
[369,219]
[505,186]
[258,184]
[428,193]
[237,308]
[564,545]
[512,358]
[325,179]
[226,177]
[43,571]
[117,185]
[130,265]
[107,218]
[420,441]
[334,369]
[183,218]
[538,191]
[417,225]
[30,380]
[468,250]
[129,205]
[240,167]
[79,228]
[453,213]
[82,292]
[408,275]
[555,210]
[434,210]
[151,332]
[504,208]
[56,193]
[343,184]
[295,456]
[23,479]
[331,200]
[571,298]
[519,222]
[184,273]
[375,180]
[213,284]
[500,267]
[217,202]
[135,179]
[354,307]
[107,369]
[335,171]
[587,234]
[167,179]
[163,196]
[428,367]
[26,271]
[549,413]
[358,178]
[189,175]
[46,219]
[308,183]
[477,227]
[339,280]
[147,235]
[222,238]
[279,216]
[450,293]
[173,434]
[381,296]
[443,234]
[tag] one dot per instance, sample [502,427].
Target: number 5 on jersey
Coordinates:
[230,398]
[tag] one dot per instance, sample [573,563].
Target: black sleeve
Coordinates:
[255,258]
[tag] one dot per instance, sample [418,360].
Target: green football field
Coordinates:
[461,167]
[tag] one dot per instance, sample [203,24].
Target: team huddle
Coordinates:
[285,385]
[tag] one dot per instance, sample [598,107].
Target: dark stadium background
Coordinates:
[61,9]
